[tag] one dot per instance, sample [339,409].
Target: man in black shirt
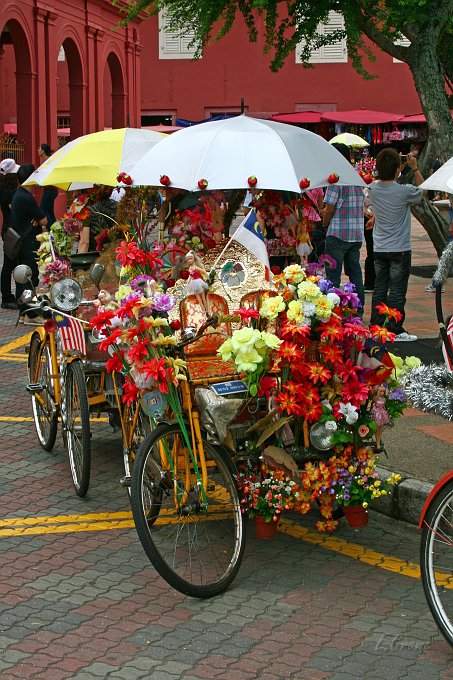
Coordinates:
[27,218]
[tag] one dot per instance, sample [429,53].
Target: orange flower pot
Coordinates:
[356,515]
[264,529]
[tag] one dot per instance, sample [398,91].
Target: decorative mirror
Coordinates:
[233,274]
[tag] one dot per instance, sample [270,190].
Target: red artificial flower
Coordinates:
[265,386]
[289,351]
[127,308]
[128,253]
[348,369]
[110,340]
[312,412]
[130,393]
[287,402]
[292,331]
[114,364]
[331,353]
[157,370]
[309,394]
[382,333]
[99,240]
[247,313]
[317,373]
[389,312]
[175,324]
[138,351]
[332,329]
[356,330]
[102,319]
[137,330]
[355,391]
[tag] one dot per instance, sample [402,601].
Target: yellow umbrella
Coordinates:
[349,139]
[96,158]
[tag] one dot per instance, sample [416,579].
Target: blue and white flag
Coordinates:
[249,235]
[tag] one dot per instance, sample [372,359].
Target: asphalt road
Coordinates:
[79,599]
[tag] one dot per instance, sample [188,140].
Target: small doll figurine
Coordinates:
[104,301]
[196,283]
[379,413]
[285,431]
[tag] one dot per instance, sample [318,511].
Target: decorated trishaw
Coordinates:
[241,391]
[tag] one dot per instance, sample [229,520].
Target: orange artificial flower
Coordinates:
[389,312]
[382,333]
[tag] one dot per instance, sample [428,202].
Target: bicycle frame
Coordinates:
[443,481]
[49,337]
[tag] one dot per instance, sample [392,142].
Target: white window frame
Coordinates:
[402,42]
[174,44]
[336,53]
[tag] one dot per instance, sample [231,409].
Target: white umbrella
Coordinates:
[349,139]
[442,179]
[96,158]
[226,153]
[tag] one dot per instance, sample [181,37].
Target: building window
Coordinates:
[63,121]
[328,54]
[403,42]
[174,44]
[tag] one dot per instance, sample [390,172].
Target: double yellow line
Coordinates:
[7,351]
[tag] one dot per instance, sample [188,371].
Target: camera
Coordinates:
[403,158]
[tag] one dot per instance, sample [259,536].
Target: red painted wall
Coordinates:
[234,68]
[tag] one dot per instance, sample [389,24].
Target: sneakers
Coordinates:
[405,337]
[432,289]
[368,290]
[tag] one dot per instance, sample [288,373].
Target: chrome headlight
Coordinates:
[320,437]
[66,295]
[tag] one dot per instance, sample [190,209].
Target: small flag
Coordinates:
[249,235]
[71,333]
[448,362]
[375,356]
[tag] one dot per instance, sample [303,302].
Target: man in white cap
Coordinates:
[8,186]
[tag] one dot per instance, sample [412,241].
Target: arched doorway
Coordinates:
[15,51]
[74,71]
[115,109]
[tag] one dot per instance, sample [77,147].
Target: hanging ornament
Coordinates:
[165,180]
[304,183]
[333,178]
[252,181]
[203,184]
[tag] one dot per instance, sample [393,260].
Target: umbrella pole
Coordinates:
[220,257]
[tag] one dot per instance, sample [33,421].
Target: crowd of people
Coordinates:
[342,220]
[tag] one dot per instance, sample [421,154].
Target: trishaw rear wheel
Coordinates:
[77,422]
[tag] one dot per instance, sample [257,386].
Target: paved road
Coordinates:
[78,598]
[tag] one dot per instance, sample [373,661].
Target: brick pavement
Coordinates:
[88,604]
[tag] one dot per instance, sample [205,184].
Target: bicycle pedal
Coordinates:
[34,387]
[125,481]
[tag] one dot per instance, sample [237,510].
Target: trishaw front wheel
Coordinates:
[194,537]
[42,399]
[77,424]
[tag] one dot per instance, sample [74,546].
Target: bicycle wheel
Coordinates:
[196,548]
[77,424]
[43,404]
[436,559]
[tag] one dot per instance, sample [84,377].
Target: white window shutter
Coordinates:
[174,44]
[334,53]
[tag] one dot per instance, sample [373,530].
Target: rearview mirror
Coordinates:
[96,274]
[22,274]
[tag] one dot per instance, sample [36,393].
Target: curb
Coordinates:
[407,499]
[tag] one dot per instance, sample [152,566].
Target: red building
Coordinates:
[174,85]
[66,66]
[93,58]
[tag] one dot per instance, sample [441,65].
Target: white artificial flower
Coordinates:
[330,425]
[349,412]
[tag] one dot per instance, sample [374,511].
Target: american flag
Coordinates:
[448,362]
[71,333]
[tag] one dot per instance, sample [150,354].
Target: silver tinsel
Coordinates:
[430,388]
[444,266]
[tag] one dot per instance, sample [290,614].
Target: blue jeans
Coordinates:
[347,253]
[390,287]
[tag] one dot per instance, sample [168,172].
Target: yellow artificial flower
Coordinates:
[397,361]
[271,307]
[324,308]
[294,312]
[351,469]
[164,340]
[123,290]
[225,350]
[412,362]
[294,273]
[308,291]
[244,337]
[394,478]
[271,340]
[364,504]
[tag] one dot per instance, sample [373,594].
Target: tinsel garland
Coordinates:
[430,388]
[445,263]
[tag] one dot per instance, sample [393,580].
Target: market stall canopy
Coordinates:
[300,117]
[349,139]
[11,129]
[243,153]
[166,129]
[361,117]
[97,158]
[442,179]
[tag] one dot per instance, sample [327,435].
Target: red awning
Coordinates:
[361,117]
[10,128]
[299,117]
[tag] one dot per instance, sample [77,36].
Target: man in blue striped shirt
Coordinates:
[343,214]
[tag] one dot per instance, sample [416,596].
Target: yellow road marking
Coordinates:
[13,357]
[107,521]
[20,419]
[20,342]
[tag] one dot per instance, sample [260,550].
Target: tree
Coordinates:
[427,24]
